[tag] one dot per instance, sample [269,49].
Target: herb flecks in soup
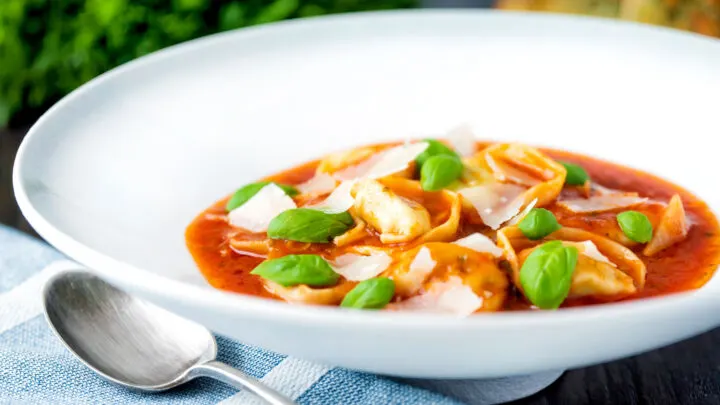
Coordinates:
[439,227]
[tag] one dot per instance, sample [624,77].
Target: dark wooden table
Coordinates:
[9,213]
[685,373]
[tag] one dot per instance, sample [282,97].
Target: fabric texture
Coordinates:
[35,367]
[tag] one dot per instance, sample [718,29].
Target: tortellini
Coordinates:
[605,269]
[396,219]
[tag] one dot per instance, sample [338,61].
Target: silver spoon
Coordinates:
[134,343]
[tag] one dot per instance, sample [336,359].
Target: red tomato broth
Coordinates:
[685,266]
[207,238]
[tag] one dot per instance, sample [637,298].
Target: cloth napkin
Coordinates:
[35,368]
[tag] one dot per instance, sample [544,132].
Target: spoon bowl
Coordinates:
[132,342]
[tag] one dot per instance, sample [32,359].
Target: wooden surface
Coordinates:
[9,213]
[684,373]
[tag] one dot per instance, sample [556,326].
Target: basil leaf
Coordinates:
[345,218]
[636,226]
[538,223]
[435,148]
[308,225]
[374,293]
[576,175]
[292,270]
[440,171]
[246,192]
[547,273]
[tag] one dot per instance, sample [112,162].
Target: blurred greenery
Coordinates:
[50,47]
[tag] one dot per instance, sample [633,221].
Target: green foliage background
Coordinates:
[50,47]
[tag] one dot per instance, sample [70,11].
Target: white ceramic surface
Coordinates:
[114,172]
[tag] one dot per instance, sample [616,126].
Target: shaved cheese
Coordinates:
[254,248]
[395,159]
[255,215]
[495,203]
[602,190]
[590,250]
[359,268]
[359,170]
[322,183]
[422,265]
[247,252]
[601,203]
[480,243]
[519,217]
[449,297]
[506,173]
[531,161]
[462,140]
[385,163]
[410,278]
[340,200]
[673,227]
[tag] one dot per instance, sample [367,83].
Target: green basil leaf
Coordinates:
[246,192]
[308,225]
[538,223]
[345,218]
[440,171]
[636,226]
[435,148]
[576,175]
[547,273]
[293,270]
[374,293]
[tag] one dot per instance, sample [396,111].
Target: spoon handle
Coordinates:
[231,376]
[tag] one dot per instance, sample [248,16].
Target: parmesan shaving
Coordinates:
[506,173]
[255,215]
[601,203]
[496,203]
[479,243]
[254,248]
[385,163]
[320,184]
[395,159]
[673,227]
[602,190]
[247,253]
[519,217]
[359,268]
[340,200]
[589,249]
[359,170]
[462,140]
[422,265]
[449,297]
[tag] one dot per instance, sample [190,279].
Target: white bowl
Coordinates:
[114,173]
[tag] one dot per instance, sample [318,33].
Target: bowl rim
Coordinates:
[118,272]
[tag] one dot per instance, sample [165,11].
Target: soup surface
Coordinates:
[456,226]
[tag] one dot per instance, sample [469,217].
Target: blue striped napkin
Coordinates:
[35,368]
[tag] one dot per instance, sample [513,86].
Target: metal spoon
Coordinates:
[134,343]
